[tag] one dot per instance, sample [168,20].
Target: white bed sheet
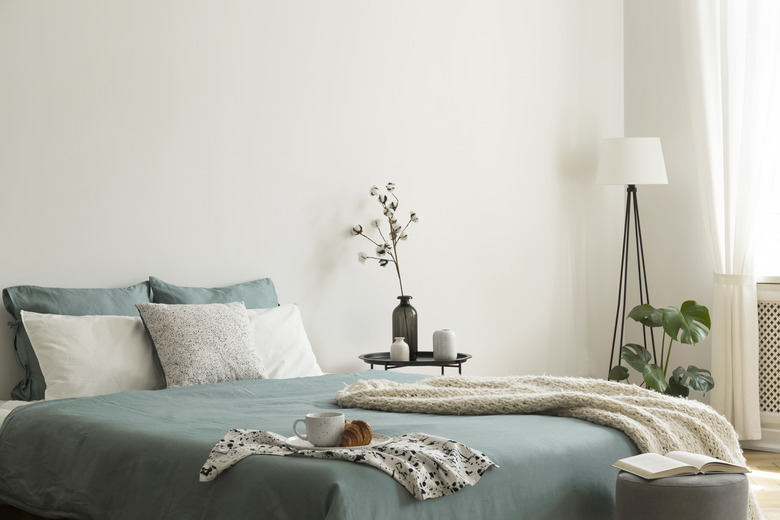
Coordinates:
[7,406]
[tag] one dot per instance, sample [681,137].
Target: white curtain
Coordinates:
[731,59]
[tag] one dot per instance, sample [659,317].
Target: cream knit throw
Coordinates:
[656,423]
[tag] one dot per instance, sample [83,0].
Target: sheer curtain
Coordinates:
[730,52]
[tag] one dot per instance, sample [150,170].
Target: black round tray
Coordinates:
[424,359]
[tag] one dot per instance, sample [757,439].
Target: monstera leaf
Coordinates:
[691,322]
[697,379]
[654,377]
[676,389]
[635,355]
[647,315]
[618,373]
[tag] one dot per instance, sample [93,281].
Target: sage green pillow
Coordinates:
[257,294]
[68,302]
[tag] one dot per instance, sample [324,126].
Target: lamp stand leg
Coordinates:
[642,272]
[644,296]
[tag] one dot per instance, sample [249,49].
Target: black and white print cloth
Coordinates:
[426,465]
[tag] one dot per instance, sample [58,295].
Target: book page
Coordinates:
[694,459]
[651,464]
[706,463]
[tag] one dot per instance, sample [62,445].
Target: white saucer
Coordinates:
[297,443]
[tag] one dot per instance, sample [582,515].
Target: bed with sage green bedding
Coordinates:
[138,455]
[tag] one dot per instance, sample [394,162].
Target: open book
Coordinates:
[675,463]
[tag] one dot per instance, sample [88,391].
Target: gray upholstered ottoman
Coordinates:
[721,496]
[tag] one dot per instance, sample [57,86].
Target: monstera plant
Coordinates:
[689,324]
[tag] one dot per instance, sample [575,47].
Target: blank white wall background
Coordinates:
[209,143]
[678,262]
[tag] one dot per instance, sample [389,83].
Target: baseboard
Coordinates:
[770,441]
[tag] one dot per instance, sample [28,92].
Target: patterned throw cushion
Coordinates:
[202,344]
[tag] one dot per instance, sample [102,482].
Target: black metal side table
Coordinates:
[424,359]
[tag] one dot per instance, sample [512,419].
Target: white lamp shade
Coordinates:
[631,160]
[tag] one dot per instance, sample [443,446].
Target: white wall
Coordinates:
[208,143]
[656,104]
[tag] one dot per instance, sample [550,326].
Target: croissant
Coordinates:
[356,433]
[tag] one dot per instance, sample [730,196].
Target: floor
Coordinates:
[765,481]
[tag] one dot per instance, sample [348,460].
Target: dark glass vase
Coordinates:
[405,325]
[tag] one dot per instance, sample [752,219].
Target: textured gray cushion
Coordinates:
[717,496]
[201,344]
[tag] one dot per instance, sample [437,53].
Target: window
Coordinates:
[768,239]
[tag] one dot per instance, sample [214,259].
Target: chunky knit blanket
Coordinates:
[655,422]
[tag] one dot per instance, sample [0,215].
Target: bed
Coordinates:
[133,446]
[138,455]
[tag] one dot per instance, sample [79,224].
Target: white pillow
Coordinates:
[92,355]
[282,343]
[203,343]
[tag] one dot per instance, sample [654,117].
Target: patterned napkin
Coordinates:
[426,465]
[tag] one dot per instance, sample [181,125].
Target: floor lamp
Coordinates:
[631,161]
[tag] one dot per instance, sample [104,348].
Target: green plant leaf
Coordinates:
[654,377]
[618,373]
[635,355]
[676,389]
[697,379]
[691,322]
[647,315]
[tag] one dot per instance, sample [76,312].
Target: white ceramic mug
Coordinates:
[322,428]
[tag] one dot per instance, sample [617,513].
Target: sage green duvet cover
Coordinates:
[137,455]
